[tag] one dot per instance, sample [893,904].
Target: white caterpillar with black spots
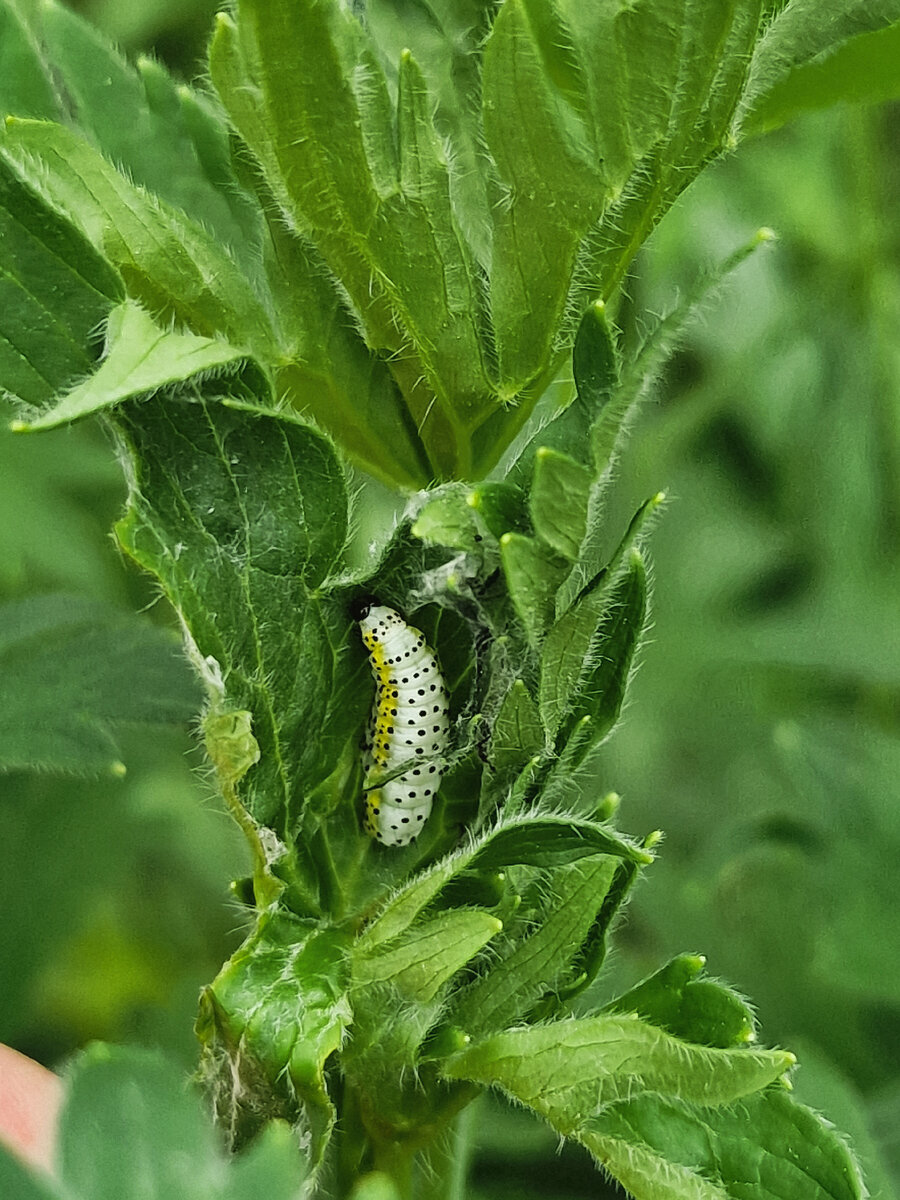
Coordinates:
[410,722]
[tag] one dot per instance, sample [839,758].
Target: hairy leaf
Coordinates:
[697,1010]
[423,958]
[275,1013]
[55,290]
[661,1148]
[169,264]
[571,1070]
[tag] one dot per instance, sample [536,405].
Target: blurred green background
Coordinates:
[761,733]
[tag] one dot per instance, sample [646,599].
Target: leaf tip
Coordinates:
[19,427]
[653,839]
[765,234]
[118,769]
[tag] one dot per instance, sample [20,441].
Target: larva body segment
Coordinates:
[410,722]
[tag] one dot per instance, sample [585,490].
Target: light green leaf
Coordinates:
[170,265]
[423,958]
[569,1071]
[54,292]
[523,970]
[447,519]
[559,499]
[800,33]
[136,116]
[375,1186]
[536,131]
[242,514]
[271,1167]
[73,673]
[330,373]
[130,1129]
[661,1148]
[141,359]
[863,70]
[533,574]
[272,1017]
[697,1010]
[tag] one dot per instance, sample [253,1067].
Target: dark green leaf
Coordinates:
[697,1010]
[660,1148]
[242,513]
[588,653]
[27,88]
[517,734]
[543,841]
[72,673]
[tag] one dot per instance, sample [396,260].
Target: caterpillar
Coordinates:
[409,725]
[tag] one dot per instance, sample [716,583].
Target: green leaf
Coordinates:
[533,573]
[242,514]
[549,841]
[421,960]
[588,653]
[129,1129]
[558,501]
[661,1148]
[547,160]
[522,971]
[330,373]
[863,70]
[27,88]
[697,1010]
[571,1070]
[140,359]
[502,506]
[447,519]
[536,840]
[17,1182]
[54,292]
[517,734]
[375,1186]
[272,1017]
[169,264]
[73,673]
[271,1167]
[138,118]
[800,33]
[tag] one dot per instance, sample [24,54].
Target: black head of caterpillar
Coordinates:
[410,723]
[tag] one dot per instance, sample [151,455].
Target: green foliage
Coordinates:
[72,673]
[412,271]
[129,1128]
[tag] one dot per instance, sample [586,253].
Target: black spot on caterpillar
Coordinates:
[401,725]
